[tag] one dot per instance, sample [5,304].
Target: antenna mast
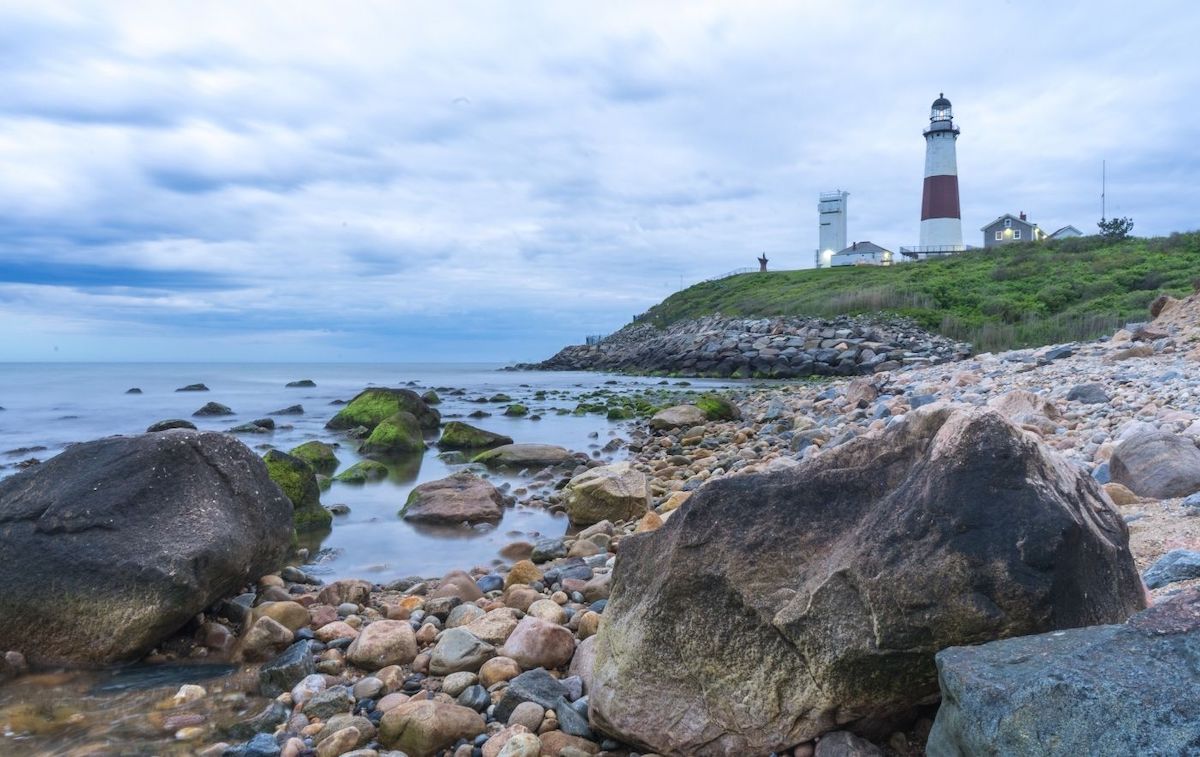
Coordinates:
[1103,183]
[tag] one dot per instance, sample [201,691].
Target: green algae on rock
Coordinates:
[459,435]
[399,434]
[317,454]
[371,407]
[362,472]
[717,408]
[298,481]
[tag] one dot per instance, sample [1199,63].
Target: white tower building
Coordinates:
[941,219]
[831,210]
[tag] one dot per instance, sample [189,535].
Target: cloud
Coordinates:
[463,181]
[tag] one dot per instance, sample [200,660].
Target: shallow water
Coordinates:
[127,711]
[52,405]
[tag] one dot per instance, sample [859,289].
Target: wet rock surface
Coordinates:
[1104,690]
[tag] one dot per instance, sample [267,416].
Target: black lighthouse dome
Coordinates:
[940,111]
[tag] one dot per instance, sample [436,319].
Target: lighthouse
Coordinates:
[941,220]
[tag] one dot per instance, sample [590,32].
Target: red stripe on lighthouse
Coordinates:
[940,198]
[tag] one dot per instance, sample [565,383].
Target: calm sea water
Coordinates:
[53,405]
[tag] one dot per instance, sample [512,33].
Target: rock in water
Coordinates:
[774,607]
[399,434]
[461,498]
[213,409]
[317,454]
[521,455]
[1104,690]
[115,544]
[1157,464]
[459,435]
[371,407]
[167,425]
[610,492]
[362,472]
[298,481]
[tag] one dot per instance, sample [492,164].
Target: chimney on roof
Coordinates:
[1023,218]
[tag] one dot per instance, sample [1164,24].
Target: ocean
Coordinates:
[48,406]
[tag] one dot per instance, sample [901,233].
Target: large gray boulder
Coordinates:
[1157,464]
[774,607]
[115,544]
[1106,690]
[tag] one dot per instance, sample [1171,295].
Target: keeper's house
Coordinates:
[1009,228]
[862,253]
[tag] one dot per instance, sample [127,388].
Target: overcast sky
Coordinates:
[459,181]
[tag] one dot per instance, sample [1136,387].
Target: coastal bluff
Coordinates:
[783,347]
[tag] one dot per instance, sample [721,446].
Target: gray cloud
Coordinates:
[468,181]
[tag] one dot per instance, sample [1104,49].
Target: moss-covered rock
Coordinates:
[619,413]
[399,434]
[375,405]
[431,398]
[459,435]
[362,472]
[500,398]
[516,410]
[298,481]
[317,454]
[717,408]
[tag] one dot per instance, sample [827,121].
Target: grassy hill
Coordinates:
[1016,296]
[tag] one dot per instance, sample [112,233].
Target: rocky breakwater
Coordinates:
[115,544]
[721,347]
[773,608]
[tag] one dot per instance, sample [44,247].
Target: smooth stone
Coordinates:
[383,643]
[458,650]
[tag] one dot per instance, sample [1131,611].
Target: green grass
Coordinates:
[1015,296]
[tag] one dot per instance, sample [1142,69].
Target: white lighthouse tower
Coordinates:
[831,210]
[941,219]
